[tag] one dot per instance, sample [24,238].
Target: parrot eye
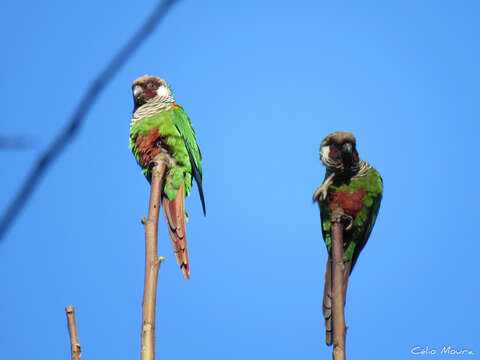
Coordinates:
[151,86]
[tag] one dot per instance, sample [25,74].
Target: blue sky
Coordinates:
[263,84]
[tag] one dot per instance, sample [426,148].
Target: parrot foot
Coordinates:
[321,193]
[338,215]
[348,221]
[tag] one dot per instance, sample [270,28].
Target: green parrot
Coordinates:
[355,186]
[160,125]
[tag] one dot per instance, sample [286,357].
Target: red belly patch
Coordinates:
[147,147]
[351,203]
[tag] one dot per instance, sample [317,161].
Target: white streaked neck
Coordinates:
[155,105]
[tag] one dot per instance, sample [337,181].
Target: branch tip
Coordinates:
[75,348]
[337,215]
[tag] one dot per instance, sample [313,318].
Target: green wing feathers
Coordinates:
[184,127]
[363,221]
[172,130]
[371,217]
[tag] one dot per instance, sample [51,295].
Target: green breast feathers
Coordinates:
[172,131]
[360,198]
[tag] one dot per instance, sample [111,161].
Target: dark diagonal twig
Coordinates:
[76,120]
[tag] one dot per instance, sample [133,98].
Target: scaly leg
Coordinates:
[321,192]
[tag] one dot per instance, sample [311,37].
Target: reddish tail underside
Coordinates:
[175,215]
[327,298]
[327,303]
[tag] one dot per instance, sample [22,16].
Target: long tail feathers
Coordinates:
[175,215]
[327,298]
[327,303]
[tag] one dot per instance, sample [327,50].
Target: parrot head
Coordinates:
[338,152]
[148,87]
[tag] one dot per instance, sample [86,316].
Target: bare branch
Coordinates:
[76,120]
[72,330]
[152,261]
[338,270]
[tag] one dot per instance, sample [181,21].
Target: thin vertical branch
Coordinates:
[338,269]
[76,350]
[152,262]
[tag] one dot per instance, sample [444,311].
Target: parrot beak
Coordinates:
[137,92]
[347,154]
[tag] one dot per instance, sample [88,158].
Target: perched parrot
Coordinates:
[356,187]
[159,125]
